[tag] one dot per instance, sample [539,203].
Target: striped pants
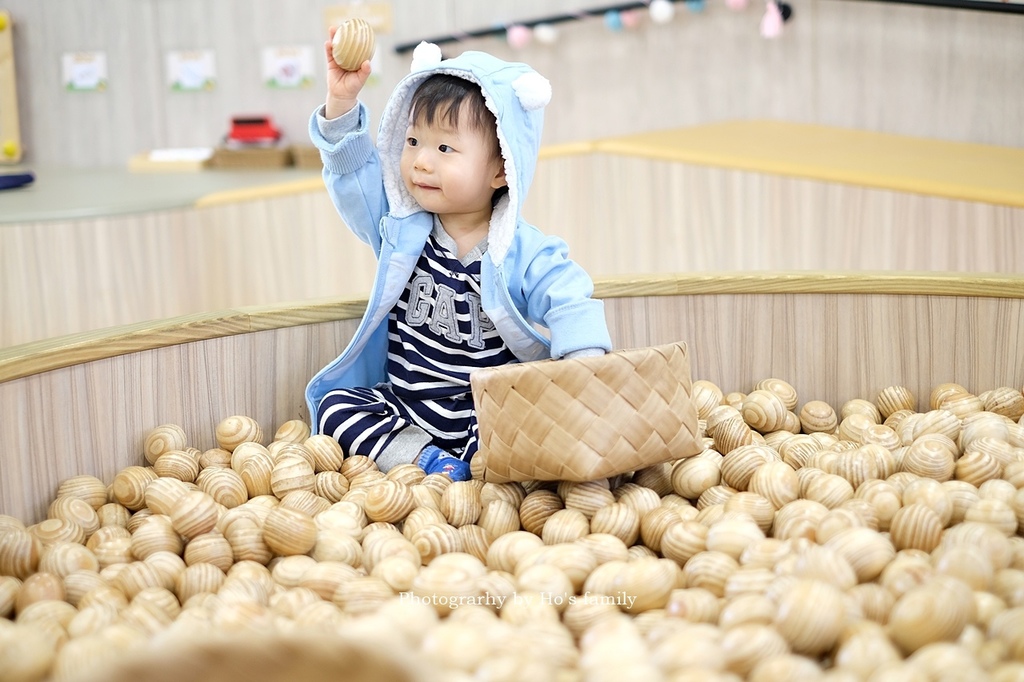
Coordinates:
[376,423]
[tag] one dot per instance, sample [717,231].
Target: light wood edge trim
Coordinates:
[567,149]
[35,358]
[943,190]
[283,189]
[809,282]
[42,356]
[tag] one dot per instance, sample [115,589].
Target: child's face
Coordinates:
[452,171]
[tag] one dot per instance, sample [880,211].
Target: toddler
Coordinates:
[462,281]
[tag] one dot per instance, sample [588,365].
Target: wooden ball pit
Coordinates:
[704,568]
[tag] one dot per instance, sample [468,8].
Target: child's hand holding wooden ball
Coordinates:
[353,44]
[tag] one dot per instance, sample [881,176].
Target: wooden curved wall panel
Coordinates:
[626,215]
[832,337]
[620,216]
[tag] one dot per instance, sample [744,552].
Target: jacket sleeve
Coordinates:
[559,294]
[351,171]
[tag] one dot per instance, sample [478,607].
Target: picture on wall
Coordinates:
[288,66]
[192,70]
[84,71]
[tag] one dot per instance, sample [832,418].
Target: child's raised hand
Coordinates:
[343,86]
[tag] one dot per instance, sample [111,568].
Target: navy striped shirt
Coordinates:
[438,333]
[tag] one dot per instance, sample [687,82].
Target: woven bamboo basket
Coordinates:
[585,418]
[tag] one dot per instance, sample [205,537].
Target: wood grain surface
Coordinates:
[832,337]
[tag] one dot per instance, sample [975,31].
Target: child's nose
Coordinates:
[422,160]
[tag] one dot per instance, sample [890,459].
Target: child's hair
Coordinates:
[440,98]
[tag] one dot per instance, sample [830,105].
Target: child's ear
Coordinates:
[499,179]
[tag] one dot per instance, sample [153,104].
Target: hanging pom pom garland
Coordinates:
[546,34]
[631,18]
[629,15]
[662,11]
[775,15]
[771,22]
[518,36]
[613,21]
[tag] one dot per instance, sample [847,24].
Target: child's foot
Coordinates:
[434,460]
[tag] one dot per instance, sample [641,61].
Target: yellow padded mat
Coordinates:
[956,170]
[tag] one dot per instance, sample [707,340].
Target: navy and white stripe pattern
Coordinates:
[437,334]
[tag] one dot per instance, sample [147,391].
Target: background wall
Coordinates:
[949,74]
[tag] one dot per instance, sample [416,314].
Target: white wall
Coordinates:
[949,74]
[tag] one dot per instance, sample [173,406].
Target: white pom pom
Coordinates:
[533,90]
[425,56]
[661,11]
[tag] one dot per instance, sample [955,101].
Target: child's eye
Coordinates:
[411,141]
[444,148]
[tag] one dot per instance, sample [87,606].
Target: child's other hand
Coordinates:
[343,86]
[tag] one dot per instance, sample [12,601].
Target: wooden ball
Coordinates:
[233,431]
[916,526]
[818,416]
[931,458]
[498,517]
[293,431]
[157,534]
[77,511]
[289,531]
[895,398]
[1006,401]
[88,488]
[291,472]
[163,439]
[224,485]
[866,551]
[963,405]
[537,507]
[705,396]
[198,578]
[19,553]
[934,612]
[781,388]
[731,434]
[693,475]
[388,501]
[588,497]
[434,540]
[39,587]
[179,464]
[506,551]
[129,486]
[638,497]
[763,411]
[353,44]
[810,614]
[460,503]
[354,465]
[194,513]
[162,493]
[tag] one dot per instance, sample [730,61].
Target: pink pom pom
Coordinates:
[518,36]
[736,5]
[631,18]
[771,22]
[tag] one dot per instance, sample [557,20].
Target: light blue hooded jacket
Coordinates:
[527,278]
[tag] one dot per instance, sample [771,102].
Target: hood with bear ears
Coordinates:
[513,92]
